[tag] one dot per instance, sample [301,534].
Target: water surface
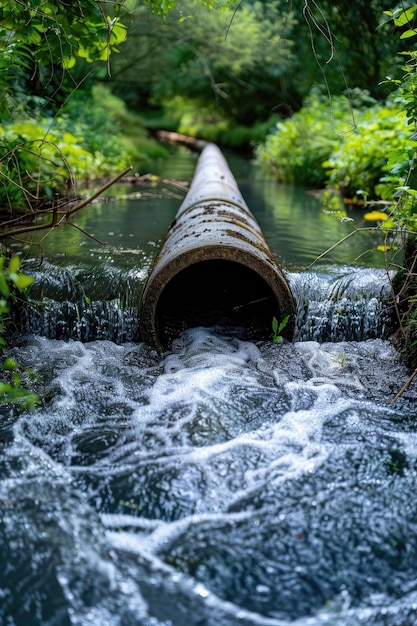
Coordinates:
[292,218]
[224,482]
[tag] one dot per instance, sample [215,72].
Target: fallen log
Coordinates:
[183,140]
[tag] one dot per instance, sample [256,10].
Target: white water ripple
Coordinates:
[228,482]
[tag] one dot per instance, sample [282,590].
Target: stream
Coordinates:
[222,483]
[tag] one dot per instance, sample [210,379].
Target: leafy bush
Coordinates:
[334,144]
[210,123]
[361,161]
[42,155]
[37,161]
[13,285]
[52,34]
[298,146]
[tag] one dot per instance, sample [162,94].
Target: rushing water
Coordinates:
[222,483]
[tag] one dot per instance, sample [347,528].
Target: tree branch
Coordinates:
[55,222]
[405,387]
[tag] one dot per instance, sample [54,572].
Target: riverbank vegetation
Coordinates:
[344,146]
[13,287]
[84,88]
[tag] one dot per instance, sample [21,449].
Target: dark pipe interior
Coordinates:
[216,293]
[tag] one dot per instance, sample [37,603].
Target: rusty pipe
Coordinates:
[214,267]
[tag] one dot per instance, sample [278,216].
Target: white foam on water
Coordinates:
[211,399]
[197,440]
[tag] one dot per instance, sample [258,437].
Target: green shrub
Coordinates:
[95,137]
[298,146]
[207,122]
[36,162]
[42,155]
[361,160]
[334,144]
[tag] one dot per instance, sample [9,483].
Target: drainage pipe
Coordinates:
[214,267]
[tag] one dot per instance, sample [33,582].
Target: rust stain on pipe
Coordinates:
[214,266]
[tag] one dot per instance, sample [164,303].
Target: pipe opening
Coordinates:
[218,293]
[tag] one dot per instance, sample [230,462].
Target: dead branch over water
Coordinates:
[60,212]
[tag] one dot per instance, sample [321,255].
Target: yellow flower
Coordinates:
[375,216]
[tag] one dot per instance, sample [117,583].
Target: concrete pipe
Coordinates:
[214,267]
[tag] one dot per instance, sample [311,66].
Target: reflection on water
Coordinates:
[293,222]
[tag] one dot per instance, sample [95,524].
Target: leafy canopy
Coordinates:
[55,31]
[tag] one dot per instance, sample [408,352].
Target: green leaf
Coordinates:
[16,379]
[4,287]
[5,388]
[118,32]
[283,323]
[68,62]
[9,364]
[405,17]
[22,281]
[14,264]
[408,34]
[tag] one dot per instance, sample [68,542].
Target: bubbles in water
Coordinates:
[222,483]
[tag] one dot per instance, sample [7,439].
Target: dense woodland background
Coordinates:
[288,82]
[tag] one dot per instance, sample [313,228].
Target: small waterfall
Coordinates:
[348,304]
[83,304]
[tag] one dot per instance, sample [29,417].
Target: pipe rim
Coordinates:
[168,269]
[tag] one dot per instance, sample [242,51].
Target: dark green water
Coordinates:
[292,219]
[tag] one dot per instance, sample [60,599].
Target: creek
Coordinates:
[224,482]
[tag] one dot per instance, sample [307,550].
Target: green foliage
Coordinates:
[114,134]
[253,59]
[42,151]
[403,17]
[340,359]
[345,44]
[55,31]
[215,64]
[210,123]
[42,156]
[13,285]
[277,328]
[163,7]
[297,148]
[46,46]
[402,177]
[360,163]
[338,145]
